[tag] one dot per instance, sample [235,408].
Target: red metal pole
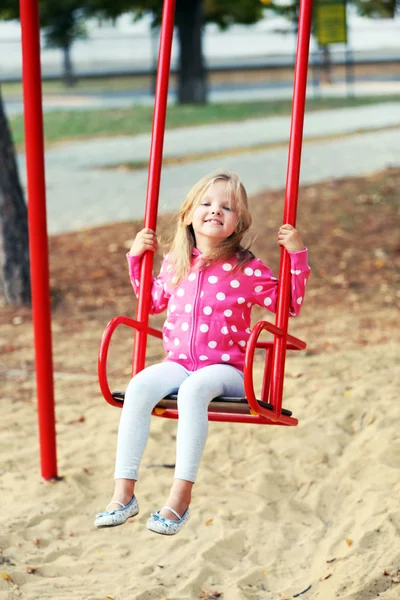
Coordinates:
[154,176]
[38,246]
[291,196]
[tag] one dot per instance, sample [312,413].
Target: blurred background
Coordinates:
[266,44]
[232,63]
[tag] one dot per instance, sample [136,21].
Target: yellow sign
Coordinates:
[330,22]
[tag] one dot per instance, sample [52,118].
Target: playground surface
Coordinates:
[275,511]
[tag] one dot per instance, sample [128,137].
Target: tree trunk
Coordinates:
[327,64]
[14,248]
[192,85]
[68,71]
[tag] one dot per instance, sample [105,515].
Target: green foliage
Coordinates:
[62,22]
[228,12]
[376,8]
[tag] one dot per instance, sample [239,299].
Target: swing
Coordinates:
[268,409]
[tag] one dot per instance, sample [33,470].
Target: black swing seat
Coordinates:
[225,404]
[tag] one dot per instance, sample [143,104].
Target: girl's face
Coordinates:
[214,219]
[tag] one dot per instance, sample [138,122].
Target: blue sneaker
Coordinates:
[159,524]
[118,516]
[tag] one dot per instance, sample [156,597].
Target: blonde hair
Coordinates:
[184,241]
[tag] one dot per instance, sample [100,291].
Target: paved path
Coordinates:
[80,194]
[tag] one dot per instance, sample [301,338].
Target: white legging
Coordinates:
[195,392]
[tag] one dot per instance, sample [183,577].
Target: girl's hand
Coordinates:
[145,240]
[289,238]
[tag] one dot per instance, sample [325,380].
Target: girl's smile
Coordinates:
[214,218]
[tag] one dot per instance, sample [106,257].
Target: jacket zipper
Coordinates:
[194,322]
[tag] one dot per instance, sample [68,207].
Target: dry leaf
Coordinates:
[30,570]
[99,274]
[210,595]
[75,421]
[326,577]
[349,542]
[6,577]
[208,522]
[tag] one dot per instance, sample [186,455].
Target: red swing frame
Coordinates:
[268,410]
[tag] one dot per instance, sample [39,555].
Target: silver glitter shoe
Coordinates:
[118,516]
[159,524]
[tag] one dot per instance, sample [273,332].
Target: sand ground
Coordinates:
[275,510]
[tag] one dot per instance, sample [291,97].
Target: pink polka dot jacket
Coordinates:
[209,312]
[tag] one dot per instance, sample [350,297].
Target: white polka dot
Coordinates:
[188,308]
[137,282]
[180,292]
[227,267]
[182,356]
[230,343]
[225,357]
[172,308]
[155,295]
[257,273]
[234,328]
[299,300]
[296,272]
[204,328]
[228,313]
[235,283]
[176,342]
[248,271]
[249,304]
[169,325]
[241,300]
[207,310]
[203,357]
[242,343]
[192,276]
[170,353]
[166,338]
[220,296]
[212,344]
[258,288]
[224,330]
[248,330]
[267,301]
[185,326]
[201,294]
[212,279]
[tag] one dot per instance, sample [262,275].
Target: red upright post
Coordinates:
[291,196]
[38,245]
[154,175]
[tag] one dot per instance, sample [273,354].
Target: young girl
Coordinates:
[209,283]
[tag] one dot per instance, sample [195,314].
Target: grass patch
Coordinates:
[72,124]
